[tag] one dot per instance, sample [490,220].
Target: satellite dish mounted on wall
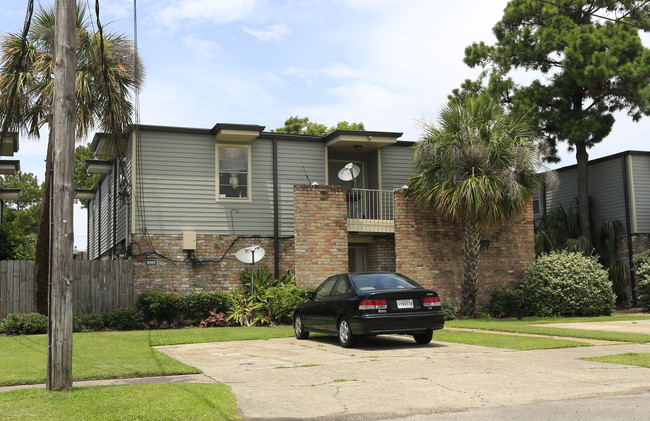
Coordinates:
[251,255]
[349,173]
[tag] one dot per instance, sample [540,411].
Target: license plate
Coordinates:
[405,303]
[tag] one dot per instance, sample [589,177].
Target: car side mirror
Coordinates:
[310,295]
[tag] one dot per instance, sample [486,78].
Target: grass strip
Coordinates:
[638,359]
[95,355]
[216,334]
[525,326]
[171,401]
[495,340]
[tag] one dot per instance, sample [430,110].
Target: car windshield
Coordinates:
[376,281]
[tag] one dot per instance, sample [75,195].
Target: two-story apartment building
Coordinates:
[181,201]
[619,189]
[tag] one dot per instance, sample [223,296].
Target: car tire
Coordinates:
[423,338]
[346,338]
[299,328]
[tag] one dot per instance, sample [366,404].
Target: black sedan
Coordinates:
[353,305]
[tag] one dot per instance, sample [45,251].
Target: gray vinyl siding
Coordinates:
[179,185]
[395,166]
[606,192]
[372,169]
[563,191]
[92,229]
[292,156]
[105,225]
[641,184]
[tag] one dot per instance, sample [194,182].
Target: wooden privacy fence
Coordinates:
[99,286]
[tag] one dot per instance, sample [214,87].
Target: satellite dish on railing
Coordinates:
[252,254]
[349,172]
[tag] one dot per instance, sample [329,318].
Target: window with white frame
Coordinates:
[233,172]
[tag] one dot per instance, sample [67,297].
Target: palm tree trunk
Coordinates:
[471,259]
[42,252]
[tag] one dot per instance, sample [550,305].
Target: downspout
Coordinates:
[114,216]
[88,228]
[276,210]
[98,223]
[628,226]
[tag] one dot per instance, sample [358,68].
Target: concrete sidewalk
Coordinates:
[391,377]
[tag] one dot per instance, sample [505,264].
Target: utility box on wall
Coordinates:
[189,240]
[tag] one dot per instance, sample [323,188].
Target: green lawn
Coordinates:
[172,401]
[641,360]
[526,326]
[495,340]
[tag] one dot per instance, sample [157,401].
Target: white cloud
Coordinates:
[214,11]
[202,48]
[270,33]
[332,71]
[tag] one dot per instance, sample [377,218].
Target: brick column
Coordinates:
[320,222]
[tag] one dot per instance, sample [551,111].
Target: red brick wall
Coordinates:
[429,249]
[320,221]
[209,270]
[380,255]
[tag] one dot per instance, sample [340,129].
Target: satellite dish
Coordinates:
[252,254]
[349,172]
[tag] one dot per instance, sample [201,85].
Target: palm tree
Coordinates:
[477,166]
[35,91]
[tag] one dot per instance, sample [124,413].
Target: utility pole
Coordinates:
[59,361]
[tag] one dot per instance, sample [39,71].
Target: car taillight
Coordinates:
[431,301]
[373,305]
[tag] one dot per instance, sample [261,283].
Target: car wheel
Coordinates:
[346,338]
[299,328]
[423,338]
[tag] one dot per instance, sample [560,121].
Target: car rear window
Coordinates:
[377,281]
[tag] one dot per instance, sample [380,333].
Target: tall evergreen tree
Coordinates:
[589,62]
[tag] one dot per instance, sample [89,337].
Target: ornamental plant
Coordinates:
[642,270]
[564,283]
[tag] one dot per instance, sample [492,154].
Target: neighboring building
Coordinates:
[182,201]
[619,189]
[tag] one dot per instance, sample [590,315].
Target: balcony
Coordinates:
[370,211]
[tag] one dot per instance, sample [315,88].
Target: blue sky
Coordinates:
[387,63]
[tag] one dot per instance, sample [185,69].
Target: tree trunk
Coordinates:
[471,258]
[582,158]
[42,252]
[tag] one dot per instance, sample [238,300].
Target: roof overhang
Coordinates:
[98,166]
[236,132]
[84,194]
[106,145]
[10,194]
[10,144]
[9,166]
[359,141]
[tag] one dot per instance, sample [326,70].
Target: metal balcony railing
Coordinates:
[370,210]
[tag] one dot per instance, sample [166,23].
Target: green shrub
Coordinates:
[128,318]
[159,306]
[642,271]
[198,305]
[567,284]
[448,311]
[283,300]
[24,324]
[87,321]
[506,302]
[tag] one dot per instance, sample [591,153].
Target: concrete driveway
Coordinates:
[391,377]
